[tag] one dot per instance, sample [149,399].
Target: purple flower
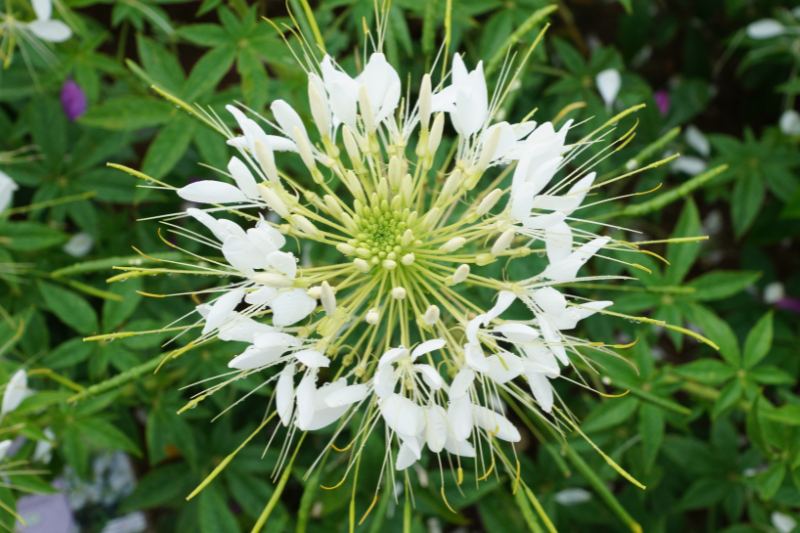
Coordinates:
[789,304]
[73,100]
[662,101]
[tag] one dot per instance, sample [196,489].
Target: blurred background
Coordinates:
[96,444]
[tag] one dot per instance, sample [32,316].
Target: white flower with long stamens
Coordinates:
[411,224]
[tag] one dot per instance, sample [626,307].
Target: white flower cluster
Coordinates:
[384,334]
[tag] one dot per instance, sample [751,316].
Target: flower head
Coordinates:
[388,331]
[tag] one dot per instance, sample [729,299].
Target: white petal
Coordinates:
[461,383]
[516,332]
[254,357]
[428,347]
[261,296]
[459,417]
[53,31]
[211,192]
[243,177]
[392,355]
[503,367]
[291,306]
[283,262]
[608,83]
[558,240]
[789,124]
[542,390]
[221,309]
[765,29]
[312,358]
[242,329]
[550,301]
[347,395]
[504,301]
[553,340]
[698,141]
[495,424]
[288,120]
[276,339]
[475,358]
[402,416]
[540,359]
[459,447]
[408,454]
[284,394]
[435,428]
[566,269]
[689,165]
[430,375]
[384,381]
[382,84]
[473,326]
[304,396]
[575,313]
[16,391]
[43,9]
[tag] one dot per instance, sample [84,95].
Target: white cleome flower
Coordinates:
[16,390]
[44,27]
[7,188]
[380,325]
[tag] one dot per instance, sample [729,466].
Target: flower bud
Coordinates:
[431,315]
[453,244]
[273,200]
[372,316]
[489,202]
[319,104]
[271,279]
[503,242]
[460,274]
[408,259]
[266,160]
[398,293]
[303,224]
[425,96]
[436,134]
[361,264]
[328,298]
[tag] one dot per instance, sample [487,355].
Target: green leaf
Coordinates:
[682,255]
[69,308]
[168,147]
[160,65]
[204,34]
[708,371]
[98,433]
[127,112]
[29,236]
[758,342]
[748,195]
[609,414]
[771,375]
[159,487]
[651,429]
[208,71]
[703,493]
[718,331]
[116,312]
[68,354]
[769,481]
[727,398]
[214,515]
[721,284]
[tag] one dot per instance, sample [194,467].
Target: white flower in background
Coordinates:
[79,245]
[765,29]
[44,27]
[381,326]
[698,141]
[572,496]
[774,292]
[689,164]
[7,188]
[4,447]
[783,522]
[790,122]
[608,84]
[16,390]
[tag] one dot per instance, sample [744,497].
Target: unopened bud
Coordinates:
[365,109]
[273,200]
[451,185]
[303,224]
[389,264]
[351,147]
[407,238]
[425,96]
[304,149]
[314,292]
[328,298]
[398,293]
[453,244]
[431,315]
[345,248]
[408,259]
[503,242]
[266,160]
[361,264]
[489,148]
[319,104]
[459,275]
[489,201]
[436,133]
[372,316]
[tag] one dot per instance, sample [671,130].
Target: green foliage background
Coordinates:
[715,436]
